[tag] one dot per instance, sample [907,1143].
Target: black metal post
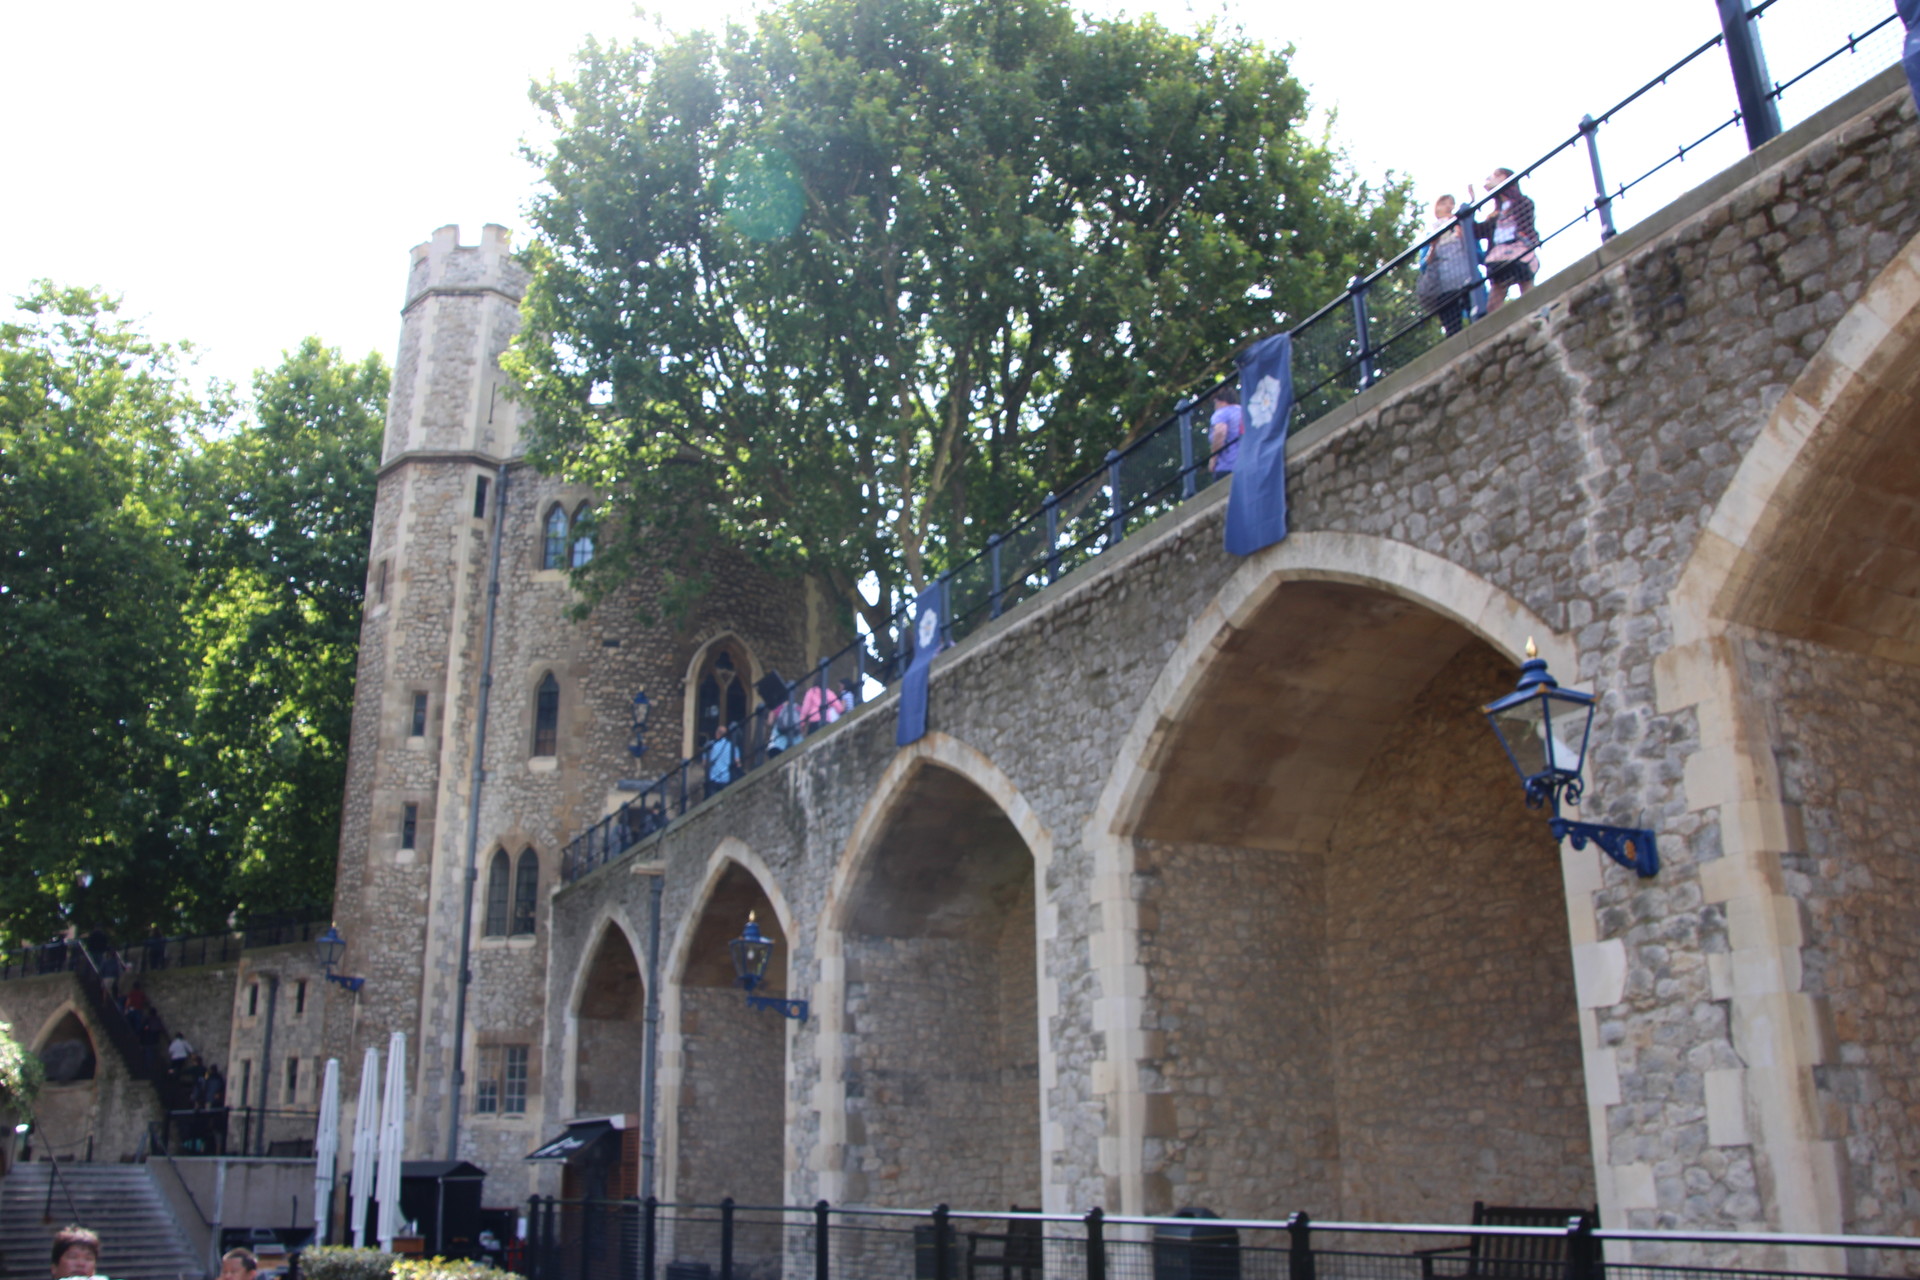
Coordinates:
[1299,1247]
[1583,1251]
[993,559]
[1189,477]
[1116,501]
[1758,108]
[1050,523]
[1096,1244]
[1357,297]
[1602,202]
[649,1237]
[819,1240]
[726,1239]
[942,1232]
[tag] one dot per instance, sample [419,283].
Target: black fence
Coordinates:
[1381,323]
[645,1240]
[284,1134]
[145,955]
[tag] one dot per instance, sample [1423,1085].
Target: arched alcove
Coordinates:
[1352,934]
[66,1050]
[719,690]
[941,1046]
[610,1036]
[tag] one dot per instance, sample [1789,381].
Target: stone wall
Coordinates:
[731,1093]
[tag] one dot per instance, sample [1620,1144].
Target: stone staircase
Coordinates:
[139,1239]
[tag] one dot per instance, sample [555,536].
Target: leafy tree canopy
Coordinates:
[853,284]
[179,611]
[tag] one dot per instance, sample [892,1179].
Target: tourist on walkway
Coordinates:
[1511,238]
[723,757]
[1448,273]
[178,1051]
[1229,422]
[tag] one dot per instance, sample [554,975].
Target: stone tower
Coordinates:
[456,510]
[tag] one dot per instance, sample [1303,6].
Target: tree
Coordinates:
[21,1075]
[95,428]
[851,286]
[276,612]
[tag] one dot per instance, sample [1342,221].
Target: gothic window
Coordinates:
[720,691]
[526,890]
[582,538]
[556,548]
[496,923]
[546,716]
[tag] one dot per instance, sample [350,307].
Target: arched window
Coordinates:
[555,555]
[720,691]
[546,716]
[496,923]
[582,538]
[526,890]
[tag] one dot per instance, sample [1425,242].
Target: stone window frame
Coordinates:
[546,717]
[503,1079]
[524,920]
[499,880]
[746,665]
[417,719]
[556,541]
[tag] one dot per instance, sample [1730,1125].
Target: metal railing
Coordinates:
[249,1131]
[61,955]
[1380,324]
[636,1239]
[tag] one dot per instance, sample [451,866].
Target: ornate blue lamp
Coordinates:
[1545,730]
[751,952]
[327,949]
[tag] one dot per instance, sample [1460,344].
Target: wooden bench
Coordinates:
[1508,1257]
[1021,1249]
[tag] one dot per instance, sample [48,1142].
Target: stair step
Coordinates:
[141,1239]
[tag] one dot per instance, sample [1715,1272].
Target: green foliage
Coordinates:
[852,285]
[337,1262]
[21,1074]
[179,611]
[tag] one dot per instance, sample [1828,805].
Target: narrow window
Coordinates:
[246,1082]
[583,537]
[480,498]
[409,825]
[253,999]
[555,556]
[299,997]
[419,715]
[496,923]
[380,583]
[546,716]
[526,890]
[513,1091]
[293,1081]
[486,1082]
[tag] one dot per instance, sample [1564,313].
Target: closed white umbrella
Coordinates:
[326,1149]
[393,1123]
[366,1139]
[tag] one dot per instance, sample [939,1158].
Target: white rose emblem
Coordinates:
[929,626]
[1264,404]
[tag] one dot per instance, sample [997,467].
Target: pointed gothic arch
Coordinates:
[718,689]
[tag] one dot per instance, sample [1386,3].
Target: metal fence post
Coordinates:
[1357,298]
[1096,1244]
[1189,478]
[1602,202]
[996,591]
[820,1254]
[726,1239]
[1050,522]
[1116,501]
[649,1237]
[942,1232]
[1749,61]
[1583,1251]
[1299,1247]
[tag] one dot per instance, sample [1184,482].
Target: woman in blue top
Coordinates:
[1229,421]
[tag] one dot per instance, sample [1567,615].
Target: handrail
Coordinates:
[1344,347]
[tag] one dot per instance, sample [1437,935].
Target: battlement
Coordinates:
[444,263]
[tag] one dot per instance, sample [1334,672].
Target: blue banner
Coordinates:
[1910,14]
[929,625]
[1257,505]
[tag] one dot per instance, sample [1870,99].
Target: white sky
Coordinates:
[248,174]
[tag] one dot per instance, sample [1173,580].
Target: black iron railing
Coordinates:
[638,1239]
[1381,323]
[61,955]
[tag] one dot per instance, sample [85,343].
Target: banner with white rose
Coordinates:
[928,619]
[1257,504]
[1910,56]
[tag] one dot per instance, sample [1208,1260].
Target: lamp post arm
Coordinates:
[1631,847]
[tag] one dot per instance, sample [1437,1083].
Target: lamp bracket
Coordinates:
[351,984]
[1631,847]
[796,1009]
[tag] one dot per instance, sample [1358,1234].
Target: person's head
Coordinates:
[1443,207]
[1226,395]
[238,1264]
[1506,192]
[76,1252]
